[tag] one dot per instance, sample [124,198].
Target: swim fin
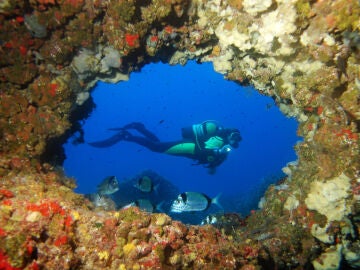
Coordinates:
[138,126]
[132,125]
[112,140]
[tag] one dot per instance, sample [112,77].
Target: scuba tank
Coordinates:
[201,132]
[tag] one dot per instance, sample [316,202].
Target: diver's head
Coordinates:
[233,137]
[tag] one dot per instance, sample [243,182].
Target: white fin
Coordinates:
[128,206]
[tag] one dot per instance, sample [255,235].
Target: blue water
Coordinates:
[166,98]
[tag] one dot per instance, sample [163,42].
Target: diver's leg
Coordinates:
[152,145]
[177,148]
[121,135]
[143,130]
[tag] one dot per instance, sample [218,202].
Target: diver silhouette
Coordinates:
[209,143]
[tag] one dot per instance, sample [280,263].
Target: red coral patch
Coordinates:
[2,233]
[131,39]
[61,240]
[4,263]
[23,50]
[47,208]
[6,193]
[19,19]
[53,88]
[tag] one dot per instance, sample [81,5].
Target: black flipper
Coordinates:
[140,128]
[132,125]
[111,141]
[115,129]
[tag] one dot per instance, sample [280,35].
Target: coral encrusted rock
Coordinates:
[303,54]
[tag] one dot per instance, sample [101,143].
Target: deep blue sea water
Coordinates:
[166,98]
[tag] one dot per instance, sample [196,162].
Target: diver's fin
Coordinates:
[116,129]
[109,142]
[216,201]
[140,127]
[135,125]
[132,125]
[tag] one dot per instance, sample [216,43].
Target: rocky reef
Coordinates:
[304,54]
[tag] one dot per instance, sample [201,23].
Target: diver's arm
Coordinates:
[212,158]
[219,158]
[213,165]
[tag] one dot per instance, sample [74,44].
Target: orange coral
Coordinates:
[19,19]
[348,134]
[53,88]
[2,232]
[68,221]
[132,39]
[61,240]
[4,263]
[23,50]
[6,193]
[46,208]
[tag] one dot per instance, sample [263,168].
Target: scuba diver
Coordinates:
[209,143]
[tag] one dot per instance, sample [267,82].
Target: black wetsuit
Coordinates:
[202,150]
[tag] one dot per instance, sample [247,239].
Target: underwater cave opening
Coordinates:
[167,98]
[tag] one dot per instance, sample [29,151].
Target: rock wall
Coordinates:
[304,54]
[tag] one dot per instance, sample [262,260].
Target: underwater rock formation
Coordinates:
[303,54]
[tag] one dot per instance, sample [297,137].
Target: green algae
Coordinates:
[160,252]
[125,10]
[347,17]
[14,247]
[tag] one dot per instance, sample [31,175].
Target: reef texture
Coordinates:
[304,54]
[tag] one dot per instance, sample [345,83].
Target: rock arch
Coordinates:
[303,54]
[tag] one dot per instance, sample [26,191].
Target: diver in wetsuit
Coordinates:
[208,142]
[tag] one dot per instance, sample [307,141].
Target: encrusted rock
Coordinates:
[304,54]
